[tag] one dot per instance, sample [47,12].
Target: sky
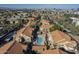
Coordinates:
[61,6]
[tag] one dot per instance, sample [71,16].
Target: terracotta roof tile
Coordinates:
[55,51]
[71,44]
[76,38]
[28,31]
[16,48]
[59,36]
[4,48]
[39,48]
[45,24]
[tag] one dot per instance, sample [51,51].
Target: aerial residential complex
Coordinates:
[39,31]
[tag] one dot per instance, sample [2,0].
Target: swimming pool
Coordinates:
[39,40]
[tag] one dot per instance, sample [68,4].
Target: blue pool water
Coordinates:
[39,40]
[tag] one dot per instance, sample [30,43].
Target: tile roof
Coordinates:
[54,51]
[45,24]
[59,36]
[16,48]
[71,44]
[31,18]
[76,38]
[39,48]
[28,31]
[62,39]
[4,48]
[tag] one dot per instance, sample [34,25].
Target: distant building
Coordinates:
[77,12]
[13,20]
[75,20]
